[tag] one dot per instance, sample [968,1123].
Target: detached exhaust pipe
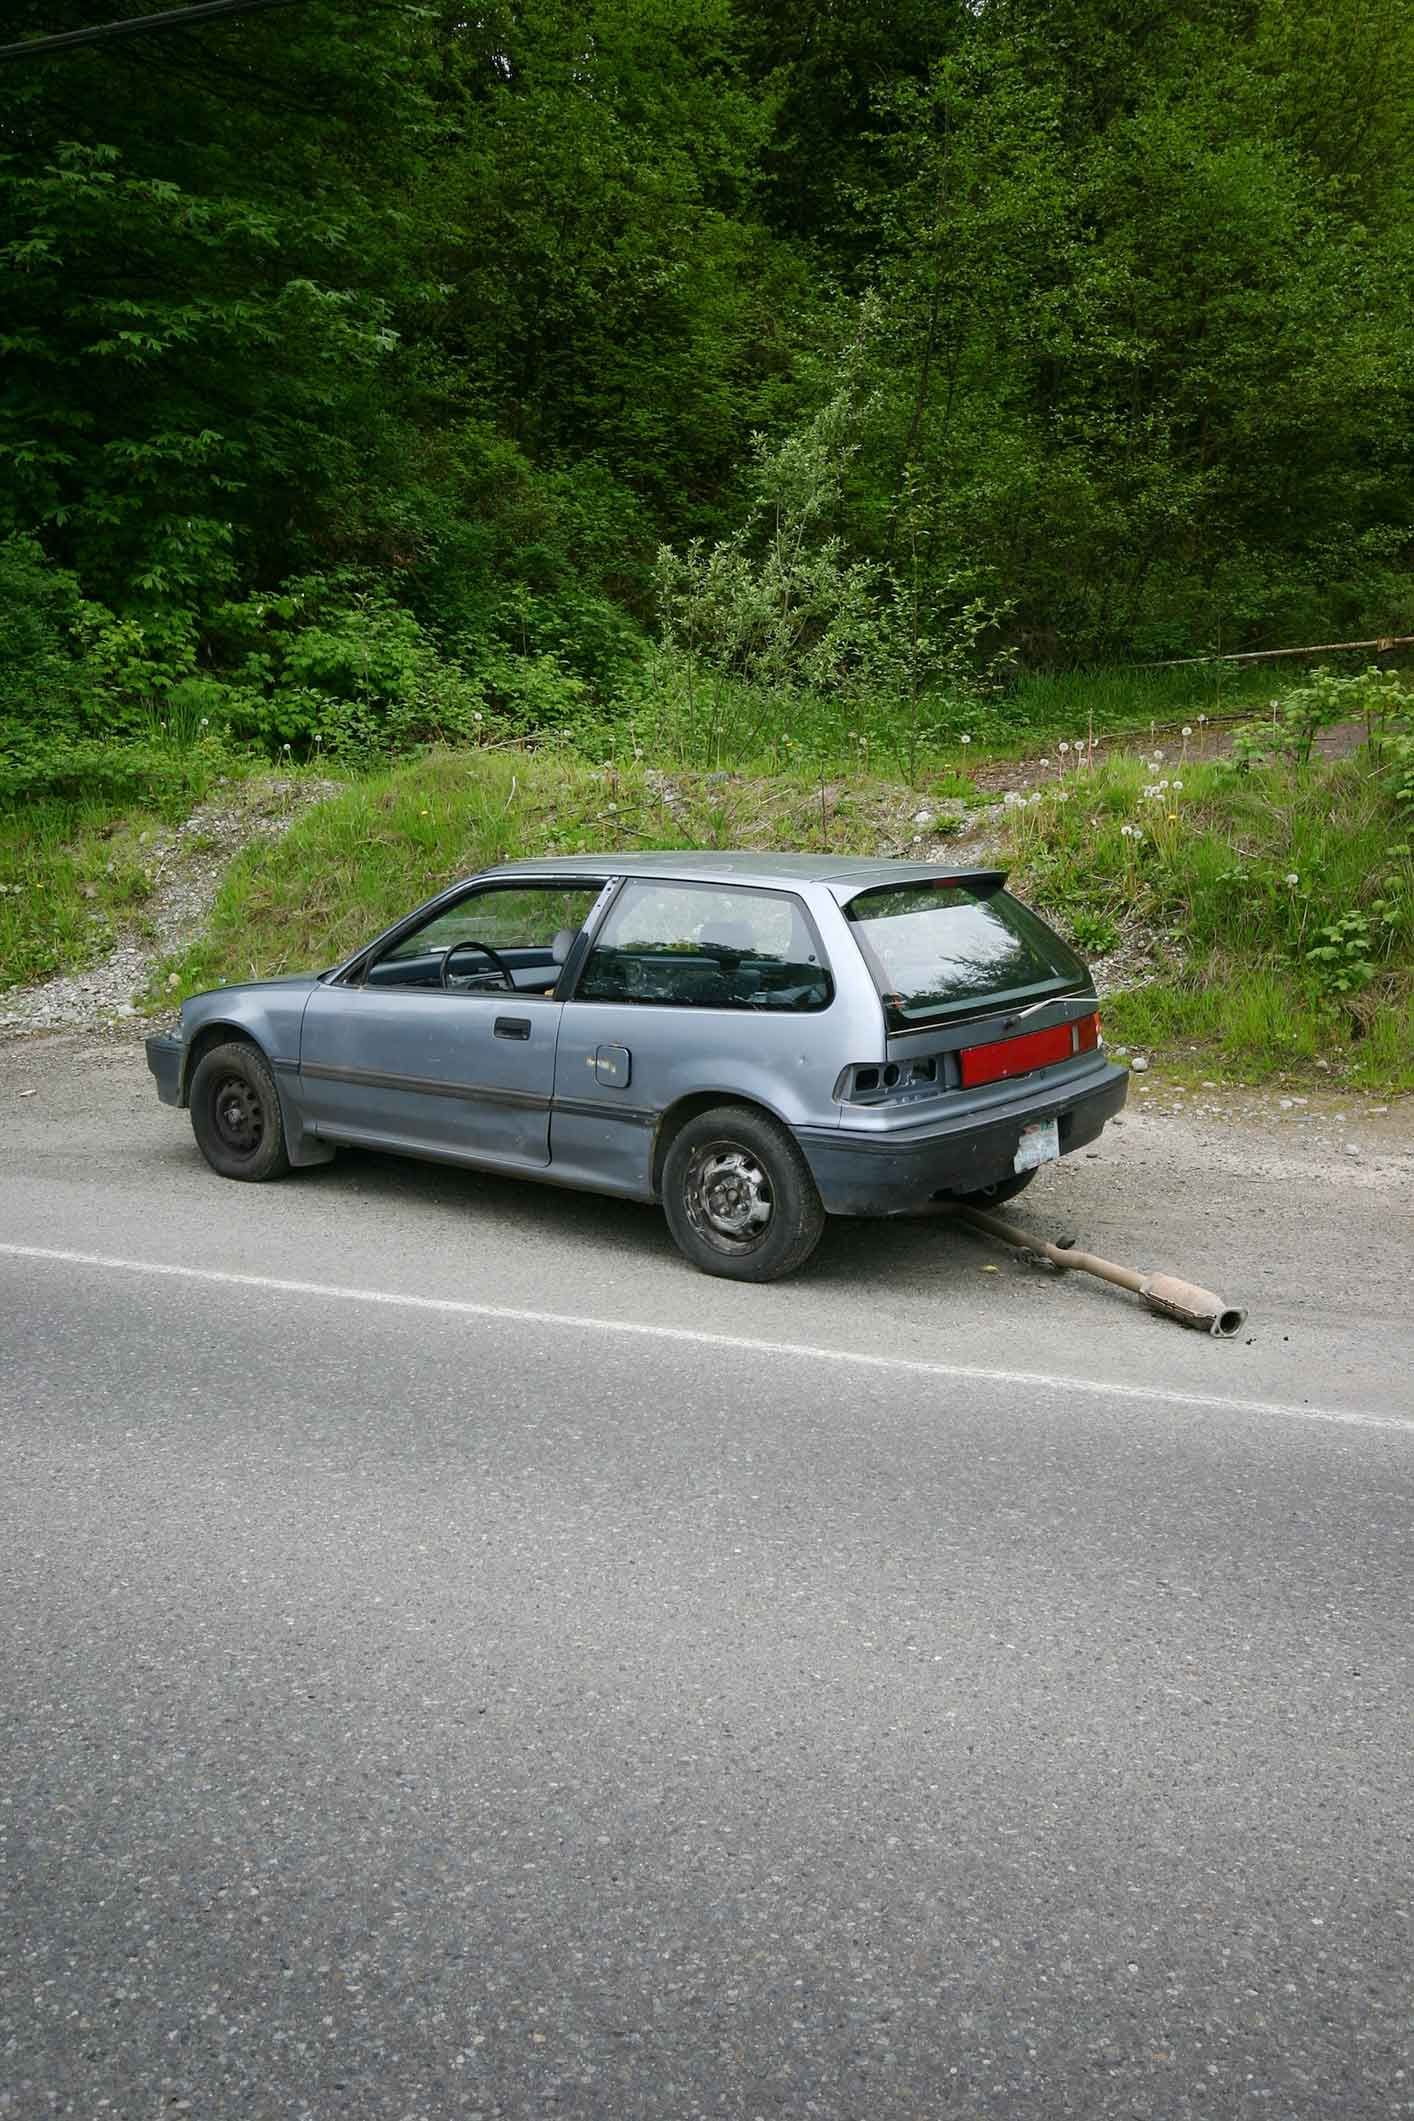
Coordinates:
[1165,1294]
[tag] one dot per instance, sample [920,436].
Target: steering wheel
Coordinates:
[470,943]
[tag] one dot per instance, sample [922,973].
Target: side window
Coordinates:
[700,946]
[530,927]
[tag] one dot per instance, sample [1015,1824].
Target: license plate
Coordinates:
[1039,1144]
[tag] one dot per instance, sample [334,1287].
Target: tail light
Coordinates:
[1032,1049]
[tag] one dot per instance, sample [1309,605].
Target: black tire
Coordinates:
[235,1113]
[1004,1189]
[739,1197]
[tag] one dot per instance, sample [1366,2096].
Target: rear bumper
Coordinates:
[164,1058]
[900,1172]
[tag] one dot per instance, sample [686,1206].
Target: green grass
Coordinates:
[1280,901]
[75,873]
[1068,704]
[68,874]
[697,720]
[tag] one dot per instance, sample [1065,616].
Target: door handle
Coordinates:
[512,1027]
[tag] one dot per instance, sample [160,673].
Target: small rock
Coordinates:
[1352,1149]
[1139,1064]
[1286,1103]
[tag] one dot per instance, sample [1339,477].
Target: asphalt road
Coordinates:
[506,1674]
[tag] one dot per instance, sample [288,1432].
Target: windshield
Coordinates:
[942,947]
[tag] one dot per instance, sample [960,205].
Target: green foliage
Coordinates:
[781,612]
[1136,336]
[928,354]
[1342,958]
[1378,699]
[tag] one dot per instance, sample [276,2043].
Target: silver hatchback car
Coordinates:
[757,1041]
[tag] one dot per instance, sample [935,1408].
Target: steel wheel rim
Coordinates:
[238,1115]
[727,1195]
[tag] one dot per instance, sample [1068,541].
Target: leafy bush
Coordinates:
[1379,699]
[783,615]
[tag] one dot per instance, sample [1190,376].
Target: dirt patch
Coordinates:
[1166,746]
[187,864]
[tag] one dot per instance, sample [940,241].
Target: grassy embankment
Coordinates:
[1278,905]
[1201,875]
[75,868]
[1198,875]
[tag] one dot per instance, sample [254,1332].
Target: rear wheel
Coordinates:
[739,1197]
[235,1113]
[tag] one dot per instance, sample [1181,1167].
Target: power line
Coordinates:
[137,26]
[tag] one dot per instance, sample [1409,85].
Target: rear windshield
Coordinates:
[941,947]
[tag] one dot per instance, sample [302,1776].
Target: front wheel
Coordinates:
[235,1113]
[739,1197]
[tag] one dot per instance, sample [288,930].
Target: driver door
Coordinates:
[399,1060]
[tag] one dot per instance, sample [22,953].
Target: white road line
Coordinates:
[971,1373]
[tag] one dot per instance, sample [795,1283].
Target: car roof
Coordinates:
[845,874]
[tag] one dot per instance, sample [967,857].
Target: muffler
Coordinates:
[1165,1294]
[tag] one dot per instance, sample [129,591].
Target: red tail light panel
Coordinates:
[1033,1049]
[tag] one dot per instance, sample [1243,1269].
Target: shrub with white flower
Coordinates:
[1293,879]
[964,740]
[1062,749]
